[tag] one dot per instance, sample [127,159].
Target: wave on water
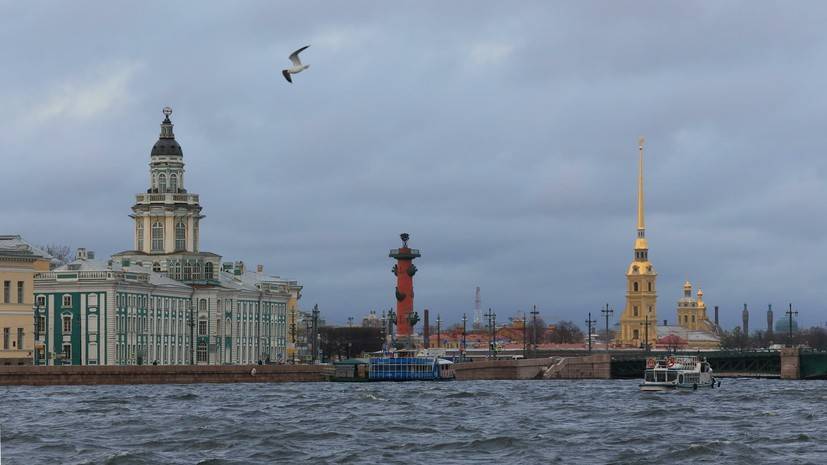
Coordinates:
[502,422]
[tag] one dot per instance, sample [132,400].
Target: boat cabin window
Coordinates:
[671,376]
[649,375]
[660,376]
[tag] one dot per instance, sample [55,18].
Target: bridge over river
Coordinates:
[789,363]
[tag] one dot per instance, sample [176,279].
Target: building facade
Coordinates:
[693,329]
[638,322]
[19,261]
[165,301]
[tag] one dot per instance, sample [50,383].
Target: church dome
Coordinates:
[783,325]
[166,146]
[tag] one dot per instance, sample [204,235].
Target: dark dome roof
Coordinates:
[167,146]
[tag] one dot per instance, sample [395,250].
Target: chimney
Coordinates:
[716,317]
[426,331]
[665,322]
[259,268]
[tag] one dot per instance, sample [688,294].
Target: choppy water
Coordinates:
[496,422]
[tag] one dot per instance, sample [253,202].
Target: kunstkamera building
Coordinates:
[166,301]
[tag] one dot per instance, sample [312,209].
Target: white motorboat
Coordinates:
[678,372]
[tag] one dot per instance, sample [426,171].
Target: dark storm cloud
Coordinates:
[502,137]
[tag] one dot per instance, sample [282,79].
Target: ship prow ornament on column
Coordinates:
[404,270]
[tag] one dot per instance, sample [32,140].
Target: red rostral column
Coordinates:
[404,270]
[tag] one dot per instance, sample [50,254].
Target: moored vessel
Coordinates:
[677,372]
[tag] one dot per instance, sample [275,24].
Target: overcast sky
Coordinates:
[500,135]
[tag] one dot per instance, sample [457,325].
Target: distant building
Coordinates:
[372,320]
[165,301]
[19,261]
[694,330]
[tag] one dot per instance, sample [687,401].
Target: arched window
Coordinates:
[650,286]
[208,271]
[180,235]
[187,270]
[173,182]
[634,310]
[196,275]
[162,183]
[156,267]
[139,234]
[635,286]
[157,237]
[635,334]
[202,305]
[201,353]
[177,270]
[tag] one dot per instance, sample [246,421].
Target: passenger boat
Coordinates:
[677,372]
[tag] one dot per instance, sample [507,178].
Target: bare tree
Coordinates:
[62,253]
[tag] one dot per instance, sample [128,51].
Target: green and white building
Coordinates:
[164,302]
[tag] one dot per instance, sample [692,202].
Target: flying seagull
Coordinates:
[297,67]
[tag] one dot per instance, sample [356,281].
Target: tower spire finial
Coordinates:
[641,225]
[166,125]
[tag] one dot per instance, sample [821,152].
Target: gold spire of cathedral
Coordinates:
[638,323]
[641,226]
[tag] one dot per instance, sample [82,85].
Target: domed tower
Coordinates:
[692,312]
[167,217]
[638,321]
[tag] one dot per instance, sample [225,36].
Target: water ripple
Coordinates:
[503,422]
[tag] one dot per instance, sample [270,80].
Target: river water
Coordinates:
[496,422]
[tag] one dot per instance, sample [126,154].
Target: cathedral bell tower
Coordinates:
[638,320]
[167,217]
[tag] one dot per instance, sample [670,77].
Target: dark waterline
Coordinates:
[496,422]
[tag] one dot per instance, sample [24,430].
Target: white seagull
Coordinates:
[298,67]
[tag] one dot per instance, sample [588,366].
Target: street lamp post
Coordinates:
[790,314]
[438,328]
[589,323]
[534,314]
[646,332]
[606,313]
[489,316]
[525,336]
[462,350]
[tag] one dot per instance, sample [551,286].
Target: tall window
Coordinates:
[139,234]
[20,338]
[41,301]
[180,236]
[6,292]
[156,267]
[67,353]
[187,270]
[208,270]
[650,287]
[6,338]
[634,310]
[157,236]
[67,324]
[635,286]
[20,288]
[173,183]
[162,183]
[202,327]
[202,352]
[635,334]
[67,300]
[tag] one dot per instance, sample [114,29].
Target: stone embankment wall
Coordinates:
[531,368]
[598,366]
[148,374]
